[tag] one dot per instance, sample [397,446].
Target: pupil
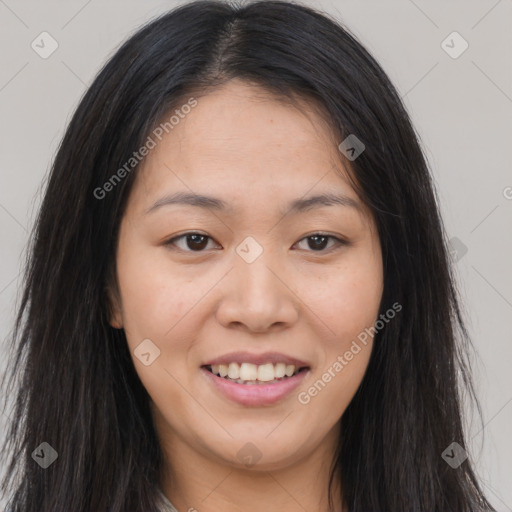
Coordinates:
[196,245]
[315,238]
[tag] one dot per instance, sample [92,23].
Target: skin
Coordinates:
[257,153]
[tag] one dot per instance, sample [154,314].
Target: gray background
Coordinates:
[460,107]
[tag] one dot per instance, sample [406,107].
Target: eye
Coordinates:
[194,242]
[318,241]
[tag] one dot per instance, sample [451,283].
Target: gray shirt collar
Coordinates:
[167,506]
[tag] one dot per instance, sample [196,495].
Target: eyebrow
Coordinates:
[295,206]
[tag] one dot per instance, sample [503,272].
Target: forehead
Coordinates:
[241,142]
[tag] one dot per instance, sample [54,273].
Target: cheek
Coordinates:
[154,296]
[346,298]
[349,311]
[158,306]
[347,302]
[349,306]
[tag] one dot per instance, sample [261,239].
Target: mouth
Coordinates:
[254,385]
[249,374]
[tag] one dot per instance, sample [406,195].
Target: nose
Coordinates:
[258,296]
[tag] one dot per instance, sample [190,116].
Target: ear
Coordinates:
[116,318]
[115,314]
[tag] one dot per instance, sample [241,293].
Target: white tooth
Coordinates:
[215,369]
[266,372]
[234,371]
[290,368]
[248,371]
[280,370]
[223,370]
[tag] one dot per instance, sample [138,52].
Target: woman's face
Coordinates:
[254,291]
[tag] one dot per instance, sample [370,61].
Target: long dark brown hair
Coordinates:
[70,372]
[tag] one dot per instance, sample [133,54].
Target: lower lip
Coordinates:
[256,394]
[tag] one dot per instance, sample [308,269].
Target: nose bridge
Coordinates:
[258,298]
[253,264]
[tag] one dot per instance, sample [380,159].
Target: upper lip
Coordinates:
[257,359]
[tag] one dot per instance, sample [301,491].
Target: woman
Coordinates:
[239,293]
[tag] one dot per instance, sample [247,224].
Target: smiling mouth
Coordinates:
[251,374]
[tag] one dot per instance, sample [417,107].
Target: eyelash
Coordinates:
[339,241]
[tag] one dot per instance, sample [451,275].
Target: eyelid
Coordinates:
[171,242]
[339,241]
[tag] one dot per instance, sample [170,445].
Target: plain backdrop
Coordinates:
[461,108]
